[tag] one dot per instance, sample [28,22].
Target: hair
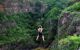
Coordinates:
[40,26]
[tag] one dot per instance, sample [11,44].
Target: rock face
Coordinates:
[15,6]
[70,24]
[79,48]
[1,7]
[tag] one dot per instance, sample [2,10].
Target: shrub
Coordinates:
[69,43]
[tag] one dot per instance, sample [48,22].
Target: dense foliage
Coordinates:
[69,43]
[59,18]
[12,28]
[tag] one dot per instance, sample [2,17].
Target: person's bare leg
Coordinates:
[43,37]
[37,37]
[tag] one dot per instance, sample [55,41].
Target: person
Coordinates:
[40,33]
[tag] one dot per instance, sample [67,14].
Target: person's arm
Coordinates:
[43,35]
[37,37]
[43,38]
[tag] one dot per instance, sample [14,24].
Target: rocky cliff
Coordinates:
[15,6]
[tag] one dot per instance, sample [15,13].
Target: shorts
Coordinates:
[40,34]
